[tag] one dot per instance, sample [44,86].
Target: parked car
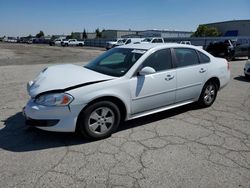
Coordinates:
[72,42]
[242,48]
[153,40]
[128,41]
[229,49]
[56,42]
[12,40]
[110,44]
[247,69]
[124,83]
[186,42]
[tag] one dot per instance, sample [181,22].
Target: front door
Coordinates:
[154,90]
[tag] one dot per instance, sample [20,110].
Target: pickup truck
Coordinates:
[153,40]
[111,44]
[72,42]
[56,42]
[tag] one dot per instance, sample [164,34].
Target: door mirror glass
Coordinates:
[146,70]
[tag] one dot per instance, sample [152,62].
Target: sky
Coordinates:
[24,17]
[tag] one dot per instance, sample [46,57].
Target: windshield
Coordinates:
[121,41]
[115,62]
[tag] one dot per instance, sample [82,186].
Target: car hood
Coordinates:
[64,77]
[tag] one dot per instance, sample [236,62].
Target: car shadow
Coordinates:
[241,78]
[15,136]
[18,137]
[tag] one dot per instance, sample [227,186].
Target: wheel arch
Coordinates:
[120,104]
[215,80]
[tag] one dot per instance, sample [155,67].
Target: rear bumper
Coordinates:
[224,80]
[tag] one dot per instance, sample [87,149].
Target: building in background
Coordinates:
[232,28]
[114,34]
[165,33]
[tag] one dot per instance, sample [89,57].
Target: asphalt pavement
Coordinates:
[183,147]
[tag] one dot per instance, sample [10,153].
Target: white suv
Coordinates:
[123,83]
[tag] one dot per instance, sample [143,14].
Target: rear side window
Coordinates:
[160,60]
[203,58]
[157,41]
[186,57]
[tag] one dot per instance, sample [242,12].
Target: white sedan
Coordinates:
[123,83]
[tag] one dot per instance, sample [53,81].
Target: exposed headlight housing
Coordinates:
[54,99]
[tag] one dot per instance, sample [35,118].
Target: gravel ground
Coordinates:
[20,54]
[184,147]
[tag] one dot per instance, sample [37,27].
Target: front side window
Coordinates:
[186,57]
[160,60]
[115,62]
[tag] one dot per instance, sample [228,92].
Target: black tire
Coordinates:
[247,76]
[85,120]
[208,94]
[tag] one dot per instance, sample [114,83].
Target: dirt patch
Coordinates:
[25,54]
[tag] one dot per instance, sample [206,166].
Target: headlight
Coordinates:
[54,99]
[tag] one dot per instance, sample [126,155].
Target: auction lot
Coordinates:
[184,147]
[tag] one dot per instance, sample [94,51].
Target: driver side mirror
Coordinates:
[146,70]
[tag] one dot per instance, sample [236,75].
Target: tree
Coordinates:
[98,33]
[212,32]
[40,34]
[72,36]
[84,34]
[205,31]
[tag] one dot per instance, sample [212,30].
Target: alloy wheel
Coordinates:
[101,120]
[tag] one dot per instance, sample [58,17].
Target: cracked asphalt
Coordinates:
[183,147]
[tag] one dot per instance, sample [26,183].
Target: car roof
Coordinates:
[147,46]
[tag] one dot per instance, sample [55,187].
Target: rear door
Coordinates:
[191,74]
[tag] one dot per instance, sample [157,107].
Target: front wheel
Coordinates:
[99,120]
[208,94]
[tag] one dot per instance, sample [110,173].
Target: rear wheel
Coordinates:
[99,120]
[208,94]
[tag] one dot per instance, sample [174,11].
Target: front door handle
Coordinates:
[169,77]
[202,70]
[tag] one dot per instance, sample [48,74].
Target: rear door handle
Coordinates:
[202,70]
[169,77]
